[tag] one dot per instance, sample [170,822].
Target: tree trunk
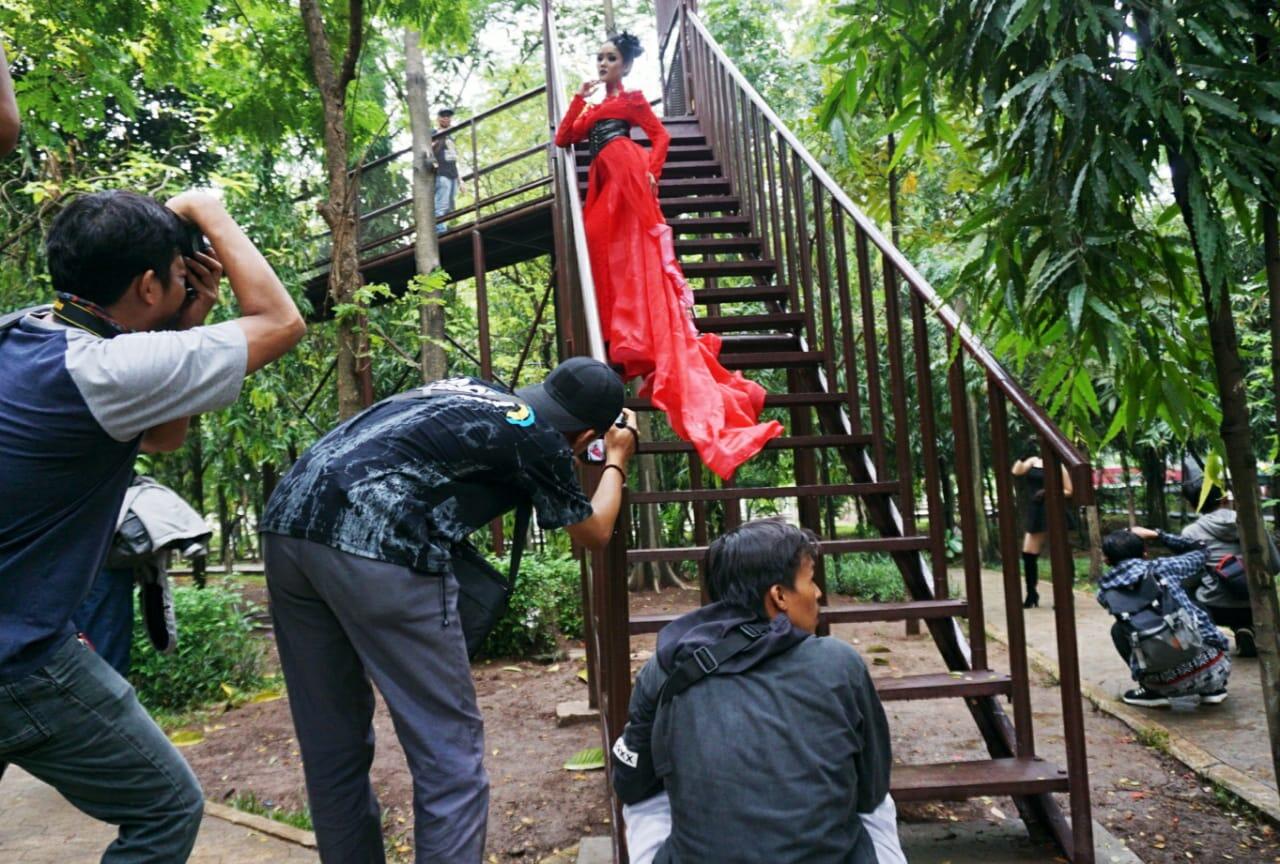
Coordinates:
[339,209]
[1242,464]
[426,248]
[1153,470]
[1128,487]
[1095,541]
[195,455]
[1271,255]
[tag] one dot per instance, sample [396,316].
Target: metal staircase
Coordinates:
[813,301]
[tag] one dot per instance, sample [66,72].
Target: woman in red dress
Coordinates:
[646,307]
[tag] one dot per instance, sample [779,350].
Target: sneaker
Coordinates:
[1216,698]
[1143,697]
[1245,646]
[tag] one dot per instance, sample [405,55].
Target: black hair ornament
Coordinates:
[628,45]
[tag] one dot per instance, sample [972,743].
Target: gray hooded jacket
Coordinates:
[1220,534]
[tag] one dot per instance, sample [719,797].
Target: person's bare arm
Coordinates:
[1067,488]
[619,445]
[9,121]
[1022,466]
[166,437]
[270,320]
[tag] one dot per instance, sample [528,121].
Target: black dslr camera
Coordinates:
[193,241]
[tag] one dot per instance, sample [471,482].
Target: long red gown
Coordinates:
[645,303]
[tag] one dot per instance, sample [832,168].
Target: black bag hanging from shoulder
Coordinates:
[483,592]
[1161,631]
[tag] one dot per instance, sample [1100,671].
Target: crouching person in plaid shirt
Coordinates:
[1206,672]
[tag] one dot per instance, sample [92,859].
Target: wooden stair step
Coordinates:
[710,225]
[943,685]
[670,188]
[699,204]
[737,493]
[858,612]
[785,442]
[718,245]
[772,360]
[733,323]
[858,545]
[753,343]
[771,400]
[685,136]
[741,267]
[954,781]
[745,293]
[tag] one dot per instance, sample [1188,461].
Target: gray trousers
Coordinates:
[342,621]
[78,726]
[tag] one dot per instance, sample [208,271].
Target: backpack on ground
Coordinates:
[1162,632]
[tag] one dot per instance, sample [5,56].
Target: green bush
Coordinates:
[216,646]
[547,603]
[867,577]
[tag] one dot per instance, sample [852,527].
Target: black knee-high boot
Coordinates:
[1031,576]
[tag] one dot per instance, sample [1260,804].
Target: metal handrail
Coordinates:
[1074,461]
[566,162]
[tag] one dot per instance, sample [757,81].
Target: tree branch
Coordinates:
[355,39]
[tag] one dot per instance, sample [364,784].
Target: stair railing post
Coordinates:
[1007,524]
[969,514]
[926,409]
[875,402]
[1068,655]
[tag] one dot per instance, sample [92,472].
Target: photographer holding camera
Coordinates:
[118,364]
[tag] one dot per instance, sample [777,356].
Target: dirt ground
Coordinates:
[1154,803]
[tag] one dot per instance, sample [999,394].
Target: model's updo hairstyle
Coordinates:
[628,46]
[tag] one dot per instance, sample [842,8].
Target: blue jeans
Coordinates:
[106,616]
[446,192]
[79,727]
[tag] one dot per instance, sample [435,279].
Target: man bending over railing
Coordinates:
[769,743]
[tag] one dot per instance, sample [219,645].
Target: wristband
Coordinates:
[619,469]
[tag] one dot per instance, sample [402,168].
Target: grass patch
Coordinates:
[1153,737]
[247,802]
[867,577]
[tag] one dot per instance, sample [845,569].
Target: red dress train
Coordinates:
[645,303]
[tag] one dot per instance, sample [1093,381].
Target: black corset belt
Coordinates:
[605,131]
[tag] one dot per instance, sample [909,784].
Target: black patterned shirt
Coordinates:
[408,478]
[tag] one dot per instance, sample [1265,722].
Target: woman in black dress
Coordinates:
[1032,468]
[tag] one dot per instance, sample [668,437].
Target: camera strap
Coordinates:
[87,316]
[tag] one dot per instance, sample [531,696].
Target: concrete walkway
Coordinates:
[38,826]
[1224,743]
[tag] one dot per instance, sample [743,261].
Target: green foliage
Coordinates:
[871,577]
[546,605]
[216,647]
[1095,125]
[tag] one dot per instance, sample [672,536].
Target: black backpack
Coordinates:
[1162,632]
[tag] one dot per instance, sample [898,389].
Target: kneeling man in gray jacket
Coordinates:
[763,742]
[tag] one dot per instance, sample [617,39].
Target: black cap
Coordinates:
[580,393]
[445,112]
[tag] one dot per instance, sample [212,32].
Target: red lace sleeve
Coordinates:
[659,138]
[573,126]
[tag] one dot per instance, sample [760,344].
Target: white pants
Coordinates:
[648,824]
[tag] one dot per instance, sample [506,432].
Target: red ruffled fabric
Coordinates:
[645,303]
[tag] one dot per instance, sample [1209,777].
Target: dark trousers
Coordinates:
[106,617]
[79,727]
[341,622]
